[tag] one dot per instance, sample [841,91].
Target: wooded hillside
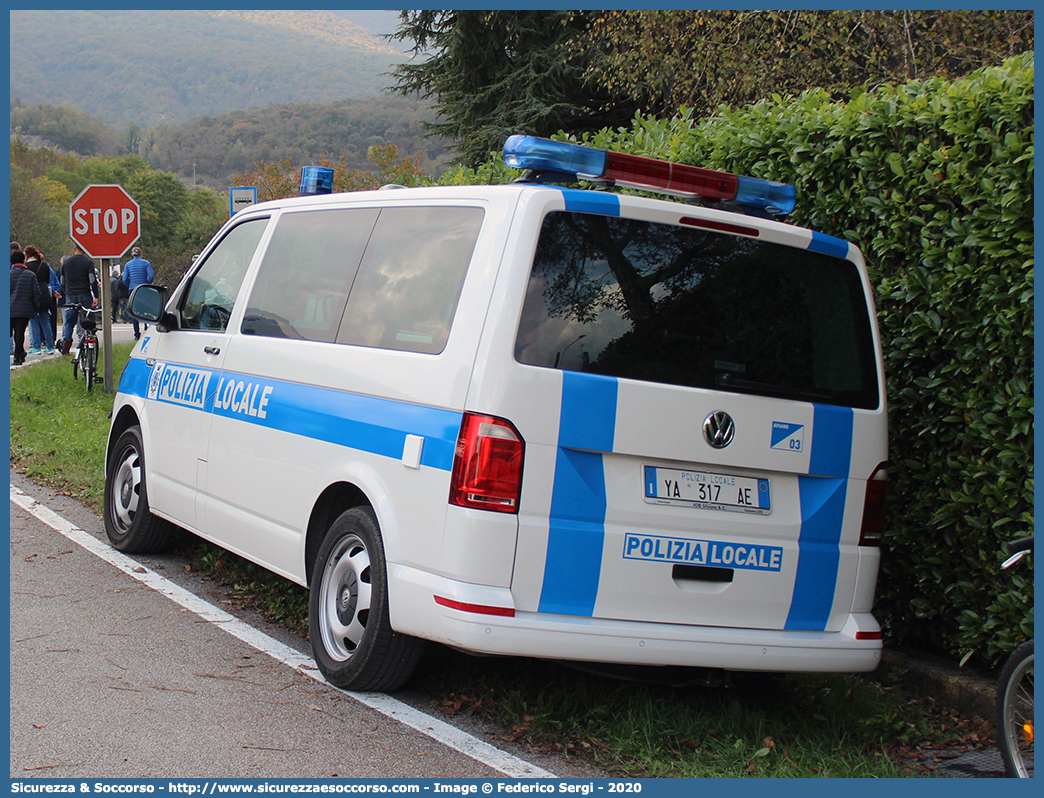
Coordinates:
[156,67]
[211,149]
[220,146]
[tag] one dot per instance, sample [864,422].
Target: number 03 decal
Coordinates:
[787,436]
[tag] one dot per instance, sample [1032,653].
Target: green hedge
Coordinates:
[933,180]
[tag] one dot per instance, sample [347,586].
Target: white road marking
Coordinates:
[438,730]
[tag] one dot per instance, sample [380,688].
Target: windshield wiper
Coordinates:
[728,382]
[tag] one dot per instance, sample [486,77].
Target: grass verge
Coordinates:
[58,429]
[806,726]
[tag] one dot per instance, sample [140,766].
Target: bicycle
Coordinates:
[86,359]
[1015,694]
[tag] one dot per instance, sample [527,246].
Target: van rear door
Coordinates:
[700,397]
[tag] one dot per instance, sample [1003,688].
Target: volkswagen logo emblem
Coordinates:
[718,429]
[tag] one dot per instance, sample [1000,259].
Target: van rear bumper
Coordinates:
[414,610]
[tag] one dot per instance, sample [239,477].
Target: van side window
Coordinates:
[406,293]
[215,285]
[308,269]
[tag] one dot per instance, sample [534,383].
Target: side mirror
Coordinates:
[147,303]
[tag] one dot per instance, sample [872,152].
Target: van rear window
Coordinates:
[683,306]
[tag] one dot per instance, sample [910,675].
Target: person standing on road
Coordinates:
[25,296]
[80,281]
[58,283]
[55,286]
[15,247]
[41,337]
[124,295]
[137,271]
[114,292]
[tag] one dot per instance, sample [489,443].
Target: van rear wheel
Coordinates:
[352,639]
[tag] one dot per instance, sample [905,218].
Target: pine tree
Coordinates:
[496,73]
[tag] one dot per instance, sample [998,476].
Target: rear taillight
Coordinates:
[487,467]
[872,530]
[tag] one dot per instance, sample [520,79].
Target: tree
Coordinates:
[164,200]
[176,221]
[132,139]
[39,212]
[273,180]
[64,126]
[278,179]
[203,213]
[495,73]
[702,59]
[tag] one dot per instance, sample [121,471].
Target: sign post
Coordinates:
[104,220]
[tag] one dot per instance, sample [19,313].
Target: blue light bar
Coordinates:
[529,152]
[315,180]
[773,197]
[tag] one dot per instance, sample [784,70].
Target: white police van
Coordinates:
[525,419]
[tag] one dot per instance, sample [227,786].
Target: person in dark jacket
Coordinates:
[114,291]
[41,337]
[80,281]
[24,287]
[15,246]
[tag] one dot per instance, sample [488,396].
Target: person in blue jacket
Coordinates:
[137,271]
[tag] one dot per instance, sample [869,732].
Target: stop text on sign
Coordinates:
[94,221]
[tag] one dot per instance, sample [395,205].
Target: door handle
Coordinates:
[212,350]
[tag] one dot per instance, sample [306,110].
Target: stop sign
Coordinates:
[104,220]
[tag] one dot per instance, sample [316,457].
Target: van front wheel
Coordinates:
[352,639]
[129,524]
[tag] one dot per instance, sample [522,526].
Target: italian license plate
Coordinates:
[707,490]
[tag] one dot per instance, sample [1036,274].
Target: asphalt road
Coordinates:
[122,332]
[111,678]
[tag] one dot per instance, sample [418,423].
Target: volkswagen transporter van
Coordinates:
[525,420]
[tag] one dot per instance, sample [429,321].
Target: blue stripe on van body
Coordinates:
[588,417]
[576,534]
[376,426]
[831,441]
[822,496]
[135,378]
[600,202]
[828,245]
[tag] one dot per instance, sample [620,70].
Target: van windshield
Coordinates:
[685,306]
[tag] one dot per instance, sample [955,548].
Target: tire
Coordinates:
[352,639]
[129,525]
[1015,712]
[89,366]
[76,364]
